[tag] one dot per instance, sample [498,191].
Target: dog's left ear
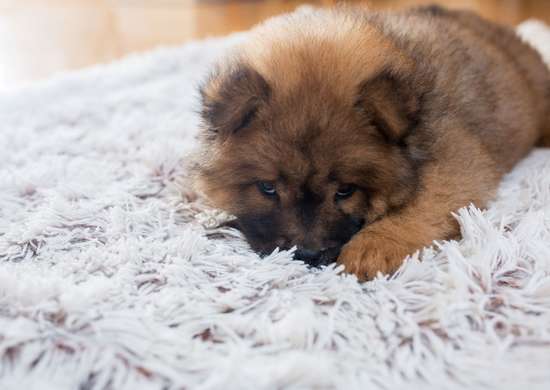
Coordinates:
[390,103]
[231,98]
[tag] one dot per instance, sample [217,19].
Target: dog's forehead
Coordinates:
[305,165]
[299,51]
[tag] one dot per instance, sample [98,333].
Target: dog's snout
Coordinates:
[317,258]
[308,256]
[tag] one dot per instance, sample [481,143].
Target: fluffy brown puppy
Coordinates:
[354,135]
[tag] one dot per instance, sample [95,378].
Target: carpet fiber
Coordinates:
[114,276]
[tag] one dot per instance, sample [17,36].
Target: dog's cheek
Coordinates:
[345,228]
[357,206]
[260,230]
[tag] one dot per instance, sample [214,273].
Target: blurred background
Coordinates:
[39,38]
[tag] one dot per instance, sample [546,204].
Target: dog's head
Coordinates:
[306,134]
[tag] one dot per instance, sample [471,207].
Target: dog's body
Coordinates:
[354,135]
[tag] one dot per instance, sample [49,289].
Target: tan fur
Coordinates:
[422,112]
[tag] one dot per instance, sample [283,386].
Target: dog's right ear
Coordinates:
[230,100]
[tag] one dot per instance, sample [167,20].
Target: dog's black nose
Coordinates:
[308,256]
[317,258]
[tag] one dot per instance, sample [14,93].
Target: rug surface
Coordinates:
[113,276]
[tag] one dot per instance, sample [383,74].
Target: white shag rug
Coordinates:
[113,277]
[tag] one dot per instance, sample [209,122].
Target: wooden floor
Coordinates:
[39,38]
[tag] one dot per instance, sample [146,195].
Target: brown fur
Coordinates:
[421,111]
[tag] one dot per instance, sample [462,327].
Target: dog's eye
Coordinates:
[344,191]
[267,188]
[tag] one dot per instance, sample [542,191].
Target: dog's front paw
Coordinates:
[367,254]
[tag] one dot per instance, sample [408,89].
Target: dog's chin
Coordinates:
[264,249]
[327,257]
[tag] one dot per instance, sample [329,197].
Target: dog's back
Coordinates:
[500,85]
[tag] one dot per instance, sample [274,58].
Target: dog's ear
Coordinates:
[391,104]
[230,99]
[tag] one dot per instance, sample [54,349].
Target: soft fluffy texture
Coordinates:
[113,275]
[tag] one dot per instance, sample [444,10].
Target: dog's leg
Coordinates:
[447,186]
[382,246]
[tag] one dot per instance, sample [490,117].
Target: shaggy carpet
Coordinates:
[114,276]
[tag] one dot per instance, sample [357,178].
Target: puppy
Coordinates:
[353,135]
